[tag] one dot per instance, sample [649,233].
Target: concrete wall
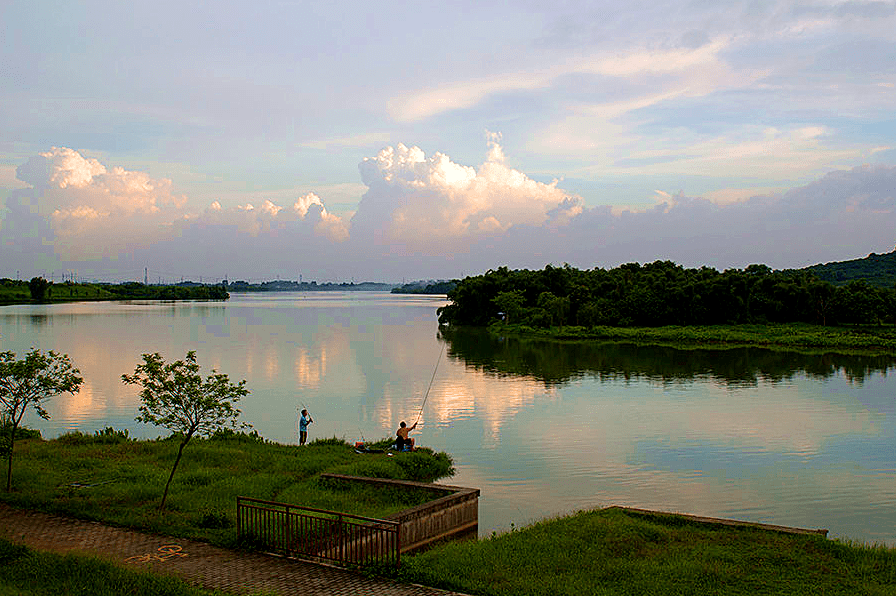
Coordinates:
[453,513]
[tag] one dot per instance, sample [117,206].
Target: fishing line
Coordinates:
[425,397]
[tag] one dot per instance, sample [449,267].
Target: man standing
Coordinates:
[304,421]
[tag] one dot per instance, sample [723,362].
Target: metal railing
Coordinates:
[340,538]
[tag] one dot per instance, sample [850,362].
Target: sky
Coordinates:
[360,141]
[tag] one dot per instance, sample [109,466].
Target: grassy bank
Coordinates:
[616,552]
[24,572]
[107,477]
[860,339]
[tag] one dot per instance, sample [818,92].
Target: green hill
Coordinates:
[877,270]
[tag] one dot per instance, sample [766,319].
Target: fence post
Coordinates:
[239,525]
[288,533]
[341,539]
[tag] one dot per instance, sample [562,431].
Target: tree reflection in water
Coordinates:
[556,362]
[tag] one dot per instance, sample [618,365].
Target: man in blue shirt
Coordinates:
[304,421]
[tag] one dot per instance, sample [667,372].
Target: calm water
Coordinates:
[542,428]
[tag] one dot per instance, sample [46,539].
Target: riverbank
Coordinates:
[110,478]
[866,339]
[620,552]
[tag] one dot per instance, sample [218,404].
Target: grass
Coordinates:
[867,339]
[108,477]
[24,572]
[17,292]
[616,552]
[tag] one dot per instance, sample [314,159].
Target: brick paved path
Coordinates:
[196,562]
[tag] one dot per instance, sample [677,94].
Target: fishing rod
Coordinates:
[426,396]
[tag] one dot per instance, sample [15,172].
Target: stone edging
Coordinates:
[721,521]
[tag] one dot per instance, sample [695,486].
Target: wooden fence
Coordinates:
[340,538]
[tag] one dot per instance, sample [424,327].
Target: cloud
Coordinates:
[429,217]
[59,168]
[81,211]
[422,202]
[765,153]
[845,214]
[635,63]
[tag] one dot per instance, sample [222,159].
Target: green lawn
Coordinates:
[109,478]
[617,552]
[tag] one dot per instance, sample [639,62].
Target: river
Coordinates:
[542,428]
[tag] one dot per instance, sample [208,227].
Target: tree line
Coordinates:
[662,293]
[39,289]
[878,270]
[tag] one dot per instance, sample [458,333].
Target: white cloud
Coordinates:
[431,217]
[60,167]
[9,179]
[728,196]
[90,212]
[353,141]
[417,200]
[637,62]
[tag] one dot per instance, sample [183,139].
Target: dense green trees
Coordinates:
[662,293]
[878,270]
[38,287]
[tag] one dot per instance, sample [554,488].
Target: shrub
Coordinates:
[107,436]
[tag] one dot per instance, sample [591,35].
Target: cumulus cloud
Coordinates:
[93,212]
[429,216]
[308,212]
[418,200]
[83,211]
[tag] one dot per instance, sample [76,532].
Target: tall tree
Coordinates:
[38,287]
[176,397]
[27,382]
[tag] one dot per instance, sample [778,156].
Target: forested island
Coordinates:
[663,293]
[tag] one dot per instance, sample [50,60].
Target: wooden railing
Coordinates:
[340,538]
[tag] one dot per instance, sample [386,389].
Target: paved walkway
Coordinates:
[196,562]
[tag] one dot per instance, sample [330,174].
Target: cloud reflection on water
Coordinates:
[541,427]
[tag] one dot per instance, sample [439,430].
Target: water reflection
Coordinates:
[38,320]
[560,362]
[540,427]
